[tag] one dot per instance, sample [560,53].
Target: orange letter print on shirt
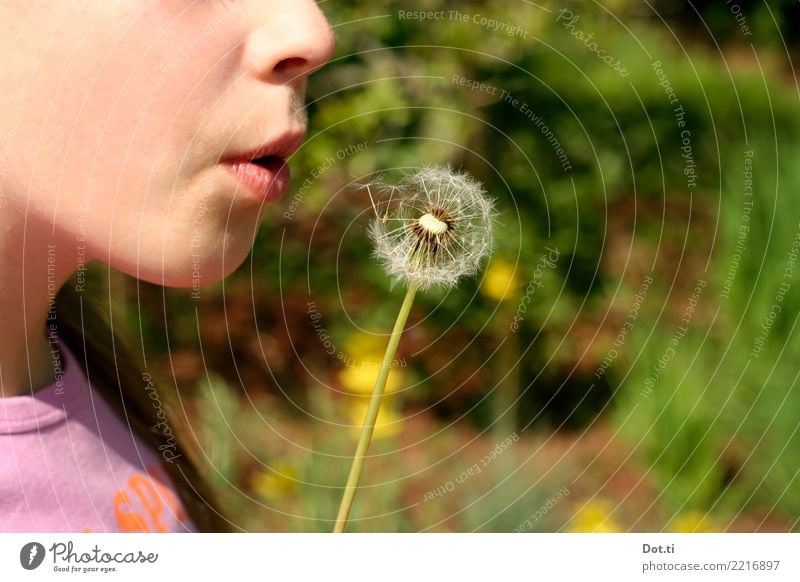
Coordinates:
[141,506]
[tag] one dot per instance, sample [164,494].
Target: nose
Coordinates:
[291,42]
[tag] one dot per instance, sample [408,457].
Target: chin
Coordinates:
[189,270]
[194,253]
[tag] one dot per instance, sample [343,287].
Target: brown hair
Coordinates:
[113,372]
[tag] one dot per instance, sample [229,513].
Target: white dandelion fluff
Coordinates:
[432,228]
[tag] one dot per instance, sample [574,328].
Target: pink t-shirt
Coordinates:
[69,463]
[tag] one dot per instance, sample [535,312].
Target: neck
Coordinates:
[34,265]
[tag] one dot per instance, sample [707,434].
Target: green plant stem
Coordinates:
[372,412]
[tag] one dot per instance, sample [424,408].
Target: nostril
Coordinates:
[293,63]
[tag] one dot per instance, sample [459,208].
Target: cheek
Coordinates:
[102,112]
[117,148]
[113,98]
[200,240]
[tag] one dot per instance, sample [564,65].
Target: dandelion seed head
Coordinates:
[432,228]
[432,225]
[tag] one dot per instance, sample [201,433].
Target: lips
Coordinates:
[268,182]
[263,171]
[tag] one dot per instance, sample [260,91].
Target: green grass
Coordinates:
[719,429]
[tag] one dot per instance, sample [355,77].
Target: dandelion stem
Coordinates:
[372,412]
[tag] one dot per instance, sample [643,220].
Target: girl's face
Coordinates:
[120,121]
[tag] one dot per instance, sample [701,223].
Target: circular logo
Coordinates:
[31,555]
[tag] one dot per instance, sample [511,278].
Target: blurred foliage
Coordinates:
[720,426]
[717,434]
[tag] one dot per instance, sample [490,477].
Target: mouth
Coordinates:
[264,172]
[267,178]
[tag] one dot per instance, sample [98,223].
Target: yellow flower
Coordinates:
[360,378]
[388,424]
[595,517]
[275,482]
[499,283]
[694,522]
[364,356]
[362,346]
